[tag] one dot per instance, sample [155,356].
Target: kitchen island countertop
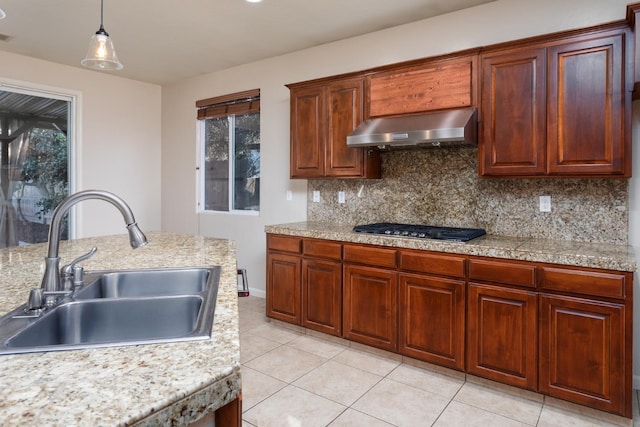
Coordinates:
[582,254]
[155,384]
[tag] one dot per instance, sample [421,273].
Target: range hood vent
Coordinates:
[436,129]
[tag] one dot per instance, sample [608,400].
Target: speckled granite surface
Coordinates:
[582,254]
[147,385]
[441,187]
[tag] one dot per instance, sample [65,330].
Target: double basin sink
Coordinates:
[115,308]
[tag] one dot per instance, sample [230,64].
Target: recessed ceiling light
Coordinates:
[254,1]
[2,14]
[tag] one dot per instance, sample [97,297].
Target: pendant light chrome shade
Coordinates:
[101,54]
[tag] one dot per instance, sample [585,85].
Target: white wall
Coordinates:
[118,146]
[495,22]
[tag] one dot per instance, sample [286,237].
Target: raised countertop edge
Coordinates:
[144,385]
[580,254]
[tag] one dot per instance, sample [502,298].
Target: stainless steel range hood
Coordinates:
[435,129]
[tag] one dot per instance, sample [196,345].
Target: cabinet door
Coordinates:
[322,296]
[513,115]
[283,287]
[502,334]
[322,115]
[307,132]
[370,312]
[345,113]
[432,313]
[582,353]
[434,85]
[586,115]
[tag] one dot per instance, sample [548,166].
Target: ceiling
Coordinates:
[164,41]
[16,109]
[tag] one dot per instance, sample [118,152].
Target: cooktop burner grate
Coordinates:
[421,231]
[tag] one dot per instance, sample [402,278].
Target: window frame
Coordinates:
[74,144]
[218,107]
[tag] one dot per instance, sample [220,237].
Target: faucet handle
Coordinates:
[36,300]
[69,269]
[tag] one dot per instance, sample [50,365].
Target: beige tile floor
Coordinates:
[297,378]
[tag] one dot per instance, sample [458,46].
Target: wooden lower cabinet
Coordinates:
[370,306]
[305,290]
[502,332]
[432,317]
[322,296]
[560,330]
[283,290]
[582,353]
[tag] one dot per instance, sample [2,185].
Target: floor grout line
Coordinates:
[251,309]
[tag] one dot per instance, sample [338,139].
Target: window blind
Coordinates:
[237,103]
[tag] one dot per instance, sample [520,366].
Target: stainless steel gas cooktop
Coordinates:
[421,231]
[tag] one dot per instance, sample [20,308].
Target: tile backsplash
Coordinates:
[442,187]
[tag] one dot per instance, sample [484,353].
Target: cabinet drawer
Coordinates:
[445,265]
[509,273]
[283,243]
[322,249]
[370,255]
[587,282]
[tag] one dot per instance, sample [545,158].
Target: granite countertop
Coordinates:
[581,254]
[146,385]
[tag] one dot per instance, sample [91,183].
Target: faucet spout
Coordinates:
[51,280]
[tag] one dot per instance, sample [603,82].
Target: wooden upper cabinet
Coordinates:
[513,113]
[434,85]
[633,19]
[322,115]
[345,112]
[557,108]
[586,116]
[307,132]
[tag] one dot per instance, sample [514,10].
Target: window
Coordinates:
[229,128]
[34,154]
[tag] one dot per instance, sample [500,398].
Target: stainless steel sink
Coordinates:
[118,308]
[93,322]
[145,283]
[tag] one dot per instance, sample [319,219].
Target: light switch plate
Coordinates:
[316,196]
[341,198]
[289,195]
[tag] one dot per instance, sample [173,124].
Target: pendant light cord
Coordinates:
[101,15]
[101,30]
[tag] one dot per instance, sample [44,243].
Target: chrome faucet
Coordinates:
[52,284]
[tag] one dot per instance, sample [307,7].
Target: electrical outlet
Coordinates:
[289,195]
[316,196]
[545,203]
[341,197]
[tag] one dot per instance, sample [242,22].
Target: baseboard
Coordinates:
[260,293]
[636,382]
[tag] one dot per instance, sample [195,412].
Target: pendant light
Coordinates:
[101,54]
